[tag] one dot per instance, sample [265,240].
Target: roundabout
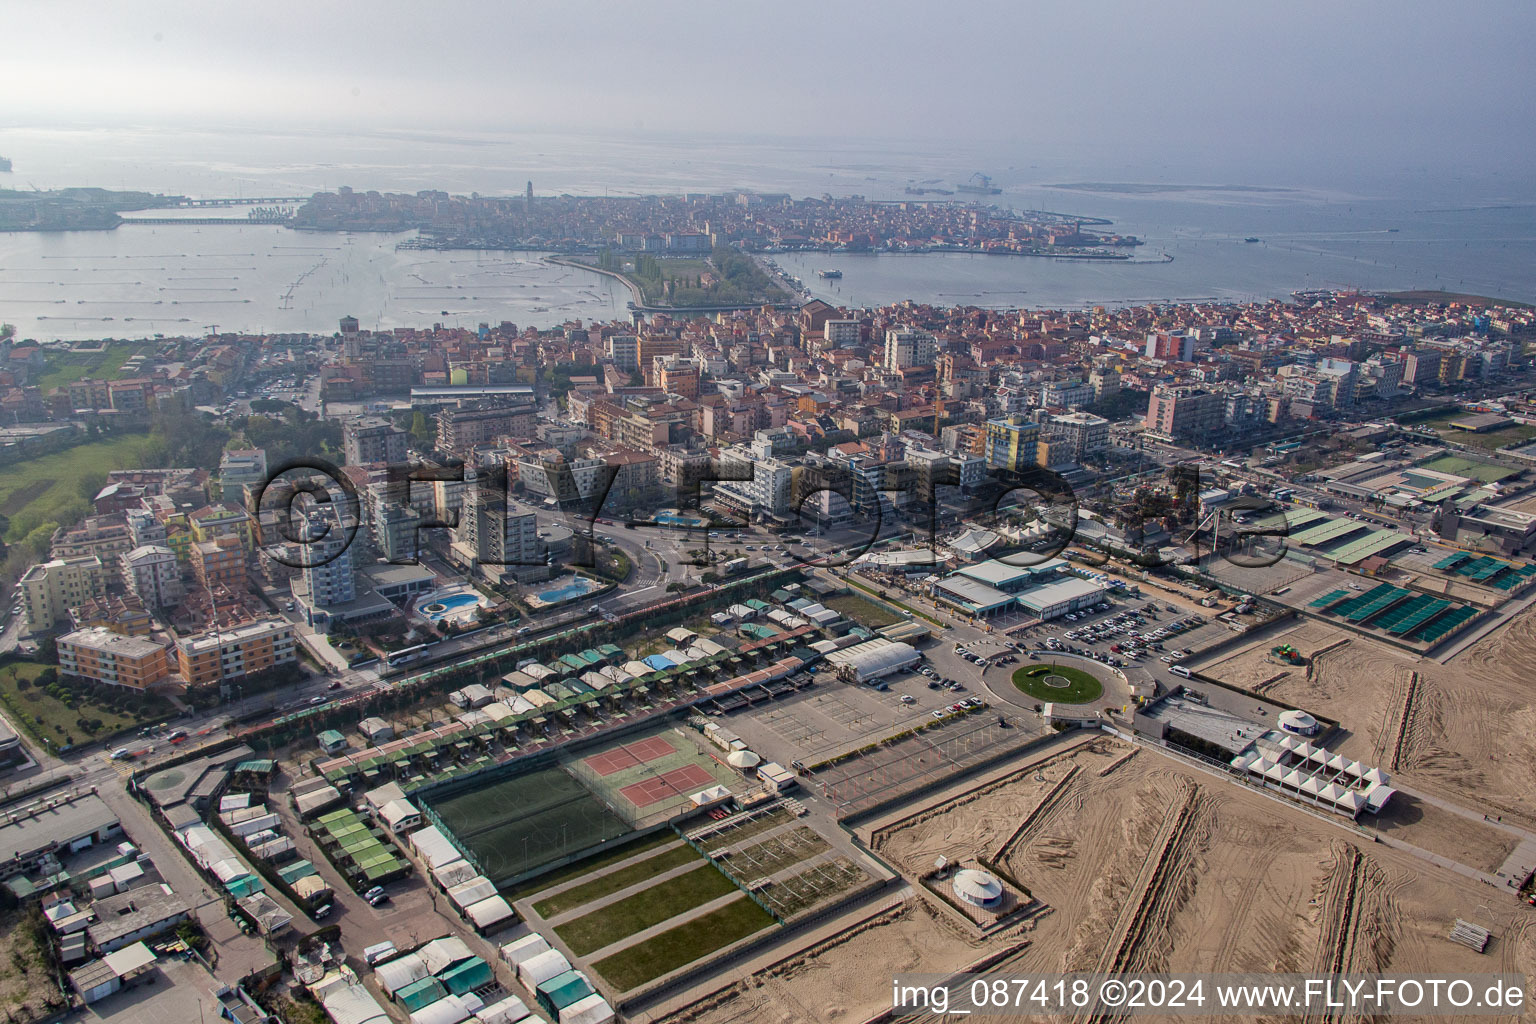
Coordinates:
[1059,684]
[1074,687]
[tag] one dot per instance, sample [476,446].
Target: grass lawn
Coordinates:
[862,610]
[1493,439]
[49,720]
[644,909]
[1489,441]
[1081,687]
[900,604]
[25,981]
[1429,296]
[64,367]
[40,490]
[677,947]
[585,867]
[1462,466]
[616,880]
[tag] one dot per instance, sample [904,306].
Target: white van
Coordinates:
[1180,670]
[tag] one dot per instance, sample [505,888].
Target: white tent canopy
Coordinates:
[448,1010]
[441,954]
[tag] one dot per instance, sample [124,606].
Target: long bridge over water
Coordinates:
[185,203]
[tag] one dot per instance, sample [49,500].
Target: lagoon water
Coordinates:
[140,280]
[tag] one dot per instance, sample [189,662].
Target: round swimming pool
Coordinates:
[451,605]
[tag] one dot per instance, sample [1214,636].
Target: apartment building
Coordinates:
[1012,443]
[841,333]
[327,570]
[241,467]
[460,430]
[677,377]
[1184,413]
[769,489]
[223,520]
[225,654]
[909,346]
[1074,436]
[103,536]
[220,561]
[144,528]
[624,351]
[1065,394]
[151,574]
[103,656]
[552,475]
[396,531]
[636,478]
[50,589]
[373,439]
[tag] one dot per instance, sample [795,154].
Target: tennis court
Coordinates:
[628,777]
[630,754]
[676,782]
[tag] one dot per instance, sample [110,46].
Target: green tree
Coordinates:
[423,429]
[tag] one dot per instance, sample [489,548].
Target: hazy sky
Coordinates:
[1294,81]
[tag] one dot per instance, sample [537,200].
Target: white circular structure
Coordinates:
[743,759]
[978,888]
[1298,722]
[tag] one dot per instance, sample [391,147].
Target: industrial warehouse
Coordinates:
[1045,591]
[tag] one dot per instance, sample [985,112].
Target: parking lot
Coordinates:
[922,761]
[833,715]
[1149,632]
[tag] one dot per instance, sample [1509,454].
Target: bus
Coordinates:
[405,655]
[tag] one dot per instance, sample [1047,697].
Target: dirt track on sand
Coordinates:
[1152,867]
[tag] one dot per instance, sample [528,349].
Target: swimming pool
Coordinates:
[675,519]
[569,589]
[455,605]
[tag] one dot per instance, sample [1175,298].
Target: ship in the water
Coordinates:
[5,163]
[1250,239]
[829,275]
[979,184]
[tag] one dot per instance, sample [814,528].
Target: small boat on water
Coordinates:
[829,275]
[1250,239]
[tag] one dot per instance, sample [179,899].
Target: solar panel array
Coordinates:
[1410,615]
[1444,624]
[1369,603]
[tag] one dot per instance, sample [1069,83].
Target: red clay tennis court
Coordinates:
[629,755]
[673,783]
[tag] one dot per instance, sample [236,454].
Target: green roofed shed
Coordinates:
[468,976]
[244,885]
[420,993]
